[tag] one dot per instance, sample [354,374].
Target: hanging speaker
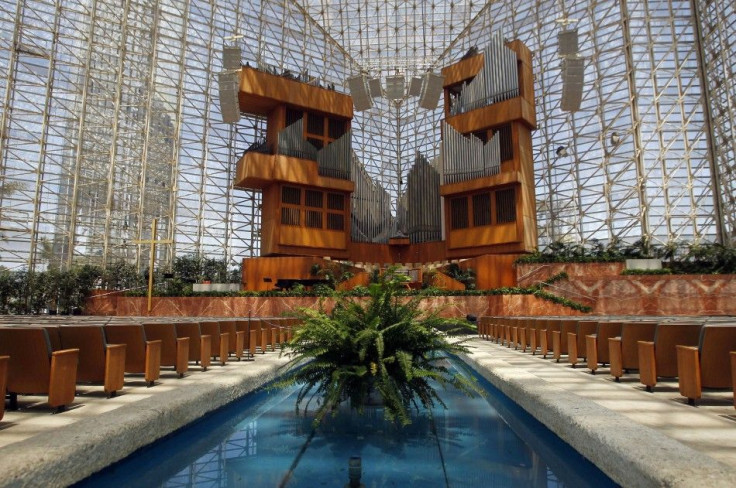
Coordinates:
[375,87]
[431,91]
[573,71]
[358,86]
[415,86]
[228,87]
[231,58]
[395,87]
[567,43]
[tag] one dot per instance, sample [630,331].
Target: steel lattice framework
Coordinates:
[109,115]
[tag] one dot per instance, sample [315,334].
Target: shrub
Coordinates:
[382,346]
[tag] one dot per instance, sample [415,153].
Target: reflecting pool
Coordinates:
[261,441]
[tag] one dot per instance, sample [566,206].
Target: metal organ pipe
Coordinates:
[424,217]
[467,158]
[291,142]
[334,159]
[497,80]
[370,207]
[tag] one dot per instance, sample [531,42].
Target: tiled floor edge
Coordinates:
[74,452]
[629,453]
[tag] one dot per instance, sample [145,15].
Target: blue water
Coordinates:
[260,441]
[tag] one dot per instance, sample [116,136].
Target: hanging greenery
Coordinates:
[381,347]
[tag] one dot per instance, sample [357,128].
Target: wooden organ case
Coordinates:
[302,167]
[488,184]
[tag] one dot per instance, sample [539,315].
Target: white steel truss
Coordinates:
[110,117]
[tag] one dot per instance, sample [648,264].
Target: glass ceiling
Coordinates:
[110,115]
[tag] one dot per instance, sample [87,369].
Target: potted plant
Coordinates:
[381,348]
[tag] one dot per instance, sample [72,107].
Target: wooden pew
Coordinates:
[3,382]
[174,349]
[484,327]
[559,337]
[708,365]
[658,358]
[576,340]
[236,338]
[34,368]
[141,355]
[523,327]
[200,345]
[596,345]
[623,350]
[244,327]
[544,335]
[99,362]
[733,376]
[220,340]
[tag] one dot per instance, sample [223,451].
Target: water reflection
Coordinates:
[263,442]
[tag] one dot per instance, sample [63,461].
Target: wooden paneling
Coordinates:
[494,115]
[258,170]
[261,92]
[477,184]
[428,252]
[485,235]
[270,220]
[462,70]
[493,270]
[313,238]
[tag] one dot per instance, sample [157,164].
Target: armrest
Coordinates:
[3,381]
[114,368]
[153,361]
[239,343]
[63,377]
[556,344]
[591,351]
[182,355]
[224,348]
[572,348]
[732,354]
[615,356]
[647,364]
[205,351]
[688,372]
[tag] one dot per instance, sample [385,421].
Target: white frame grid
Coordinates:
[109,116]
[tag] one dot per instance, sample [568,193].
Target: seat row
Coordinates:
[50,358]
[699,352]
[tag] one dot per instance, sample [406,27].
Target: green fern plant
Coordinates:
[383,347]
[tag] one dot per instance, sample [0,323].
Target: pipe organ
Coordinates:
[467,158]
[318,200]
[488,180]
[423,205]
[370,207]
[497,81]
